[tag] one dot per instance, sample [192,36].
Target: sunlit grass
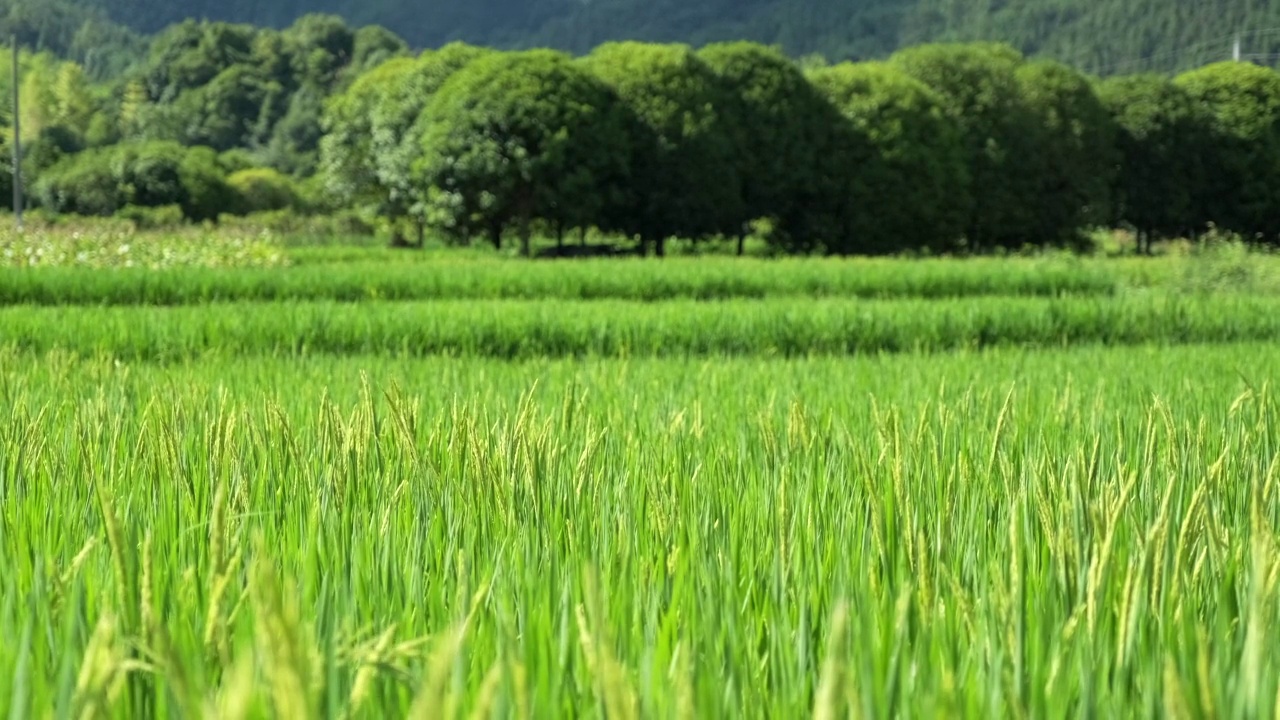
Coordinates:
[526,329]
[468,486]
[979,534]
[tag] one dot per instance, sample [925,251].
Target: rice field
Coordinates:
[736,495]
[631,280]
[606,329]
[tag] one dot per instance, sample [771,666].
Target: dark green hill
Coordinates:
[1098,35]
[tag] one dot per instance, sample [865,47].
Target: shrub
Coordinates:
[83,184]
[263,189]
[344,223]
[103,181]
[208,194]
[149,218]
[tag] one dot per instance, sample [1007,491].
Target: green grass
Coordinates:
[1044,534]
[393,484]
[524,329]
[447,277]
[219,267]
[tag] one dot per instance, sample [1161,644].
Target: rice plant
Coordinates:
[1030,533]
[451,278]
[529,329]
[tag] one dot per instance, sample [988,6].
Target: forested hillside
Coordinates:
[1104,36]
[79,31]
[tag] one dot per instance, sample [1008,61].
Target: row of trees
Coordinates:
[942,148]
[223,86]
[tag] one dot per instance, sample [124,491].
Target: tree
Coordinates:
[36,92]
[1070,173]
[373,46]
[517,137]
[133,106]
[85,184]
[372,133]
[980,91]
[207,194]
[48,148]
[396,129]
[1241,103]
[73,98]
[685,181]
[347,162]
[295,138]
[6,169]
[320,46]
[235,86]
[910,190]
[56,94]
[1160,141]
[1096,34]
[782,130]
[237,108]
[191,54]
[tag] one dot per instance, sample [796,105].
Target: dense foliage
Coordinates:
[519,137]
[1097,35]
[79,31]
[914,175]
[941,148]
[684,178]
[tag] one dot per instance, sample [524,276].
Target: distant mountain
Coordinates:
[1098,35]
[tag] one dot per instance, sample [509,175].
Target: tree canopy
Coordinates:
[783,133]
[979,90]
[1160,143]
[913,172]
[684,178]
[942,148]
[516,137]
[1241,165]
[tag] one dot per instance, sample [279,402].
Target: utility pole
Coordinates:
[17,141]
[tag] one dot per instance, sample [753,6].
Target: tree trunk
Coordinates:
[742,243]
[560,237]
[422,233]
[524,214]
[582,236]
[526,236]
[495,235]
[397,238]
[660,246]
